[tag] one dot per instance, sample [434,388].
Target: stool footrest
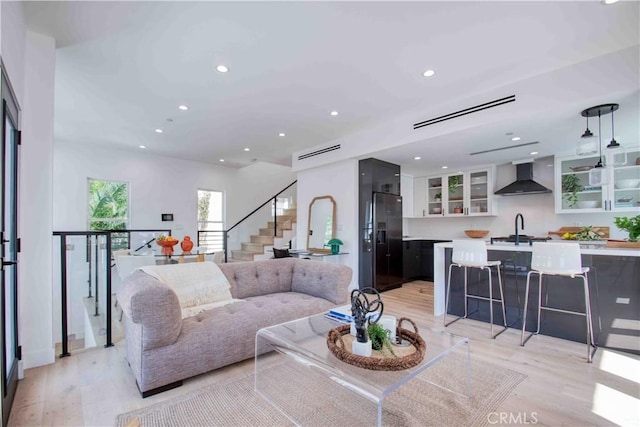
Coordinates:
[453,321]
[528,338]
[484,298]
[559,310]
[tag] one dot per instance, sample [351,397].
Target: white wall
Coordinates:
[12,45]
[340,181]
[157,185]
[35,198]
[538,211]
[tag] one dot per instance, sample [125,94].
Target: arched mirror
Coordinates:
[322,223]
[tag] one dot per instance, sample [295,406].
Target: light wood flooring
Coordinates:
[92,386]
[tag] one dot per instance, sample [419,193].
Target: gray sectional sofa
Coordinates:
[163,348]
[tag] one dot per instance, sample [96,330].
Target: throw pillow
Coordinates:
[195,283]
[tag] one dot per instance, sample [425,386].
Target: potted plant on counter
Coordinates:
[630,225]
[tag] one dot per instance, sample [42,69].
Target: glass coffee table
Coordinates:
[297,373]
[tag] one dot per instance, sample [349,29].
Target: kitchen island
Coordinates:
[614,282]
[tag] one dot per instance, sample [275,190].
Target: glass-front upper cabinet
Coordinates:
[616,187]
[480,193]
[465,193]
[434,196]
[455,192]
[626,180]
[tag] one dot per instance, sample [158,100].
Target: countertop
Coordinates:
[586,249]
[409,238]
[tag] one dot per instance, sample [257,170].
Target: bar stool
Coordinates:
[558,259]
[473,254]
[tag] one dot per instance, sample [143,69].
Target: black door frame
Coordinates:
[9,383]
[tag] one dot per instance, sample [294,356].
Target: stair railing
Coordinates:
[205,235]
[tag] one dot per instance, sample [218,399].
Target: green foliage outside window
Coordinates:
[108,205]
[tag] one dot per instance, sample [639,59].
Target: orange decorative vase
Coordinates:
[186,245]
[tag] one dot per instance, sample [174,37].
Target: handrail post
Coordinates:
[224,244]
[275,216]
[95,267]
[107,262]
[63,293]
[88,257]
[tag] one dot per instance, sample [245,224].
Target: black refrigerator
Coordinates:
[387,235]
[380,223]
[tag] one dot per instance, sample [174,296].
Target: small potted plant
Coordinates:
[438,196]
[631,225]
[380,338]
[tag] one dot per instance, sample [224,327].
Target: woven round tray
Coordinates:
[339,342]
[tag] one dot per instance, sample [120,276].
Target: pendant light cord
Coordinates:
[599,165]
[613,143]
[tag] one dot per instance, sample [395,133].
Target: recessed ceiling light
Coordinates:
[417,158]
[143,146]
[515,138]
[334,113]
[429,73]
[222,160]
[247,149]
[609,1]
[183,107]
[159,131]
[533,153]
[222,68]
[445,167]
[281,134]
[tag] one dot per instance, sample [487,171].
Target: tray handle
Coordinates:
[415,327]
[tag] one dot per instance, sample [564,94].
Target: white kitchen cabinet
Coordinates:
[619,192]
[419,196]
[406,191]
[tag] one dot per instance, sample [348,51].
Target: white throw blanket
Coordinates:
[195,283]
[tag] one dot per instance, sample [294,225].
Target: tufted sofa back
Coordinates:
[256,278]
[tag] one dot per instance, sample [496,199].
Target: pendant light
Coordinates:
[618,154]
[598,175]
[587,143]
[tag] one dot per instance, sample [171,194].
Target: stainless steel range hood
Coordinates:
[524,183]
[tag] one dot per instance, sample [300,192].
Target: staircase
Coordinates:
[262,244]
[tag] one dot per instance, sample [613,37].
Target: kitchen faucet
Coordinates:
[519,215]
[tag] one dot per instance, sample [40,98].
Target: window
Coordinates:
[210,219]
[108,205]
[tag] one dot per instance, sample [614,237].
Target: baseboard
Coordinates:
[38,358]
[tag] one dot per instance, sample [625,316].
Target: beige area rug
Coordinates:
[324,403]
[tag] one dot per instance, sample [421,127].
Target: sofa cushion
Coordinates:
[195,283]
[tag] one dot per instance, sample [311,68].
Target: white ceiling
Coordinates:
[124,67]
